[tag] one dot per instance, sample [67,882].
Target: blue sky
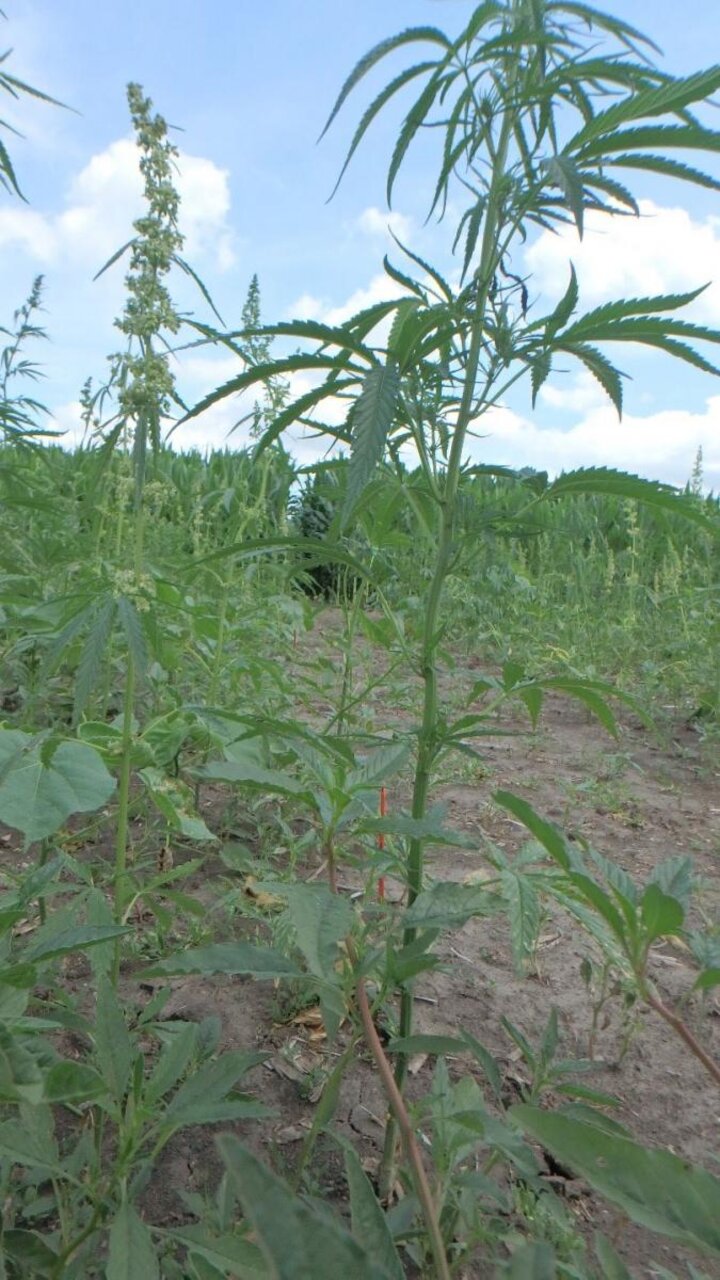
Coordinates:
[250,86]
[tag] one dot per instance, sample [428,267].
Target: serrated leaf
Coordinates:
[369,1224]
[625,485]
[449,905]
[196,1101]
[412,35]
[20,1146]
[613,1267]
[31,1251]
[662,915]
[91,658]
[131,1251]
[371,419]
[656,1189]
[299,1242]
[113,1046]
[380,765]
[239,958]
[676,93]
[172,1064]
[73,1082]
[523,907]
[564,173]
[131,624]
[252,775]
[549,836]
[63,942]
[533,1261]
[321,921]
[232,1255]
[430,829]
[675,876]
[708,978]
[600,367]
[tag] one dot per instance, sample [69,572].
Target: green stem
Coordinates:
[682,1030]
[121,839]
[429,730]
[219,647]
[66,1255]
[44,850]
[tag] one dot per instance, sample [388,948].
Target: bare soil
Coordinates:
[638,800]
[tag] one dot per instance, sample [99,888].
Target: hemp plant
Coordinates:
[144,387]
[541,109]
[121,593]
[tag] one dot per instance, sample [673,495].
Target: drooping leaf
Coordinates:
[63,942]
[240,958]
[564,173]
[411,35]
[174,799]
[371,419]
[523,907]
[622,484]
[299,1242]
[113,1046]
[550,836]
[369,1224]
[21,1079]
[654,1187]
[251,775]
[662,915]
[449,905]
[205,1096]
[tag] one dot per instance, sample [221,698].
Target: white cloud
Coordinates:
[309,307]
[378,222]
[660,446]
[105,198]
[206,372]
[581,393]
[665,250]
[29,231]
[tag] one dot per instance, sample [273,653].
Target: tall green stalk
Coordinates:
[540,123]
[145,388]
[428,737]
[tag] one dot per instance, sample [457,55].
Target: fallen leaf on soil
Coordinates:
[292,1133]
[480,876]
[266,901]
[308,1017]
[549,940]
[25,926]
